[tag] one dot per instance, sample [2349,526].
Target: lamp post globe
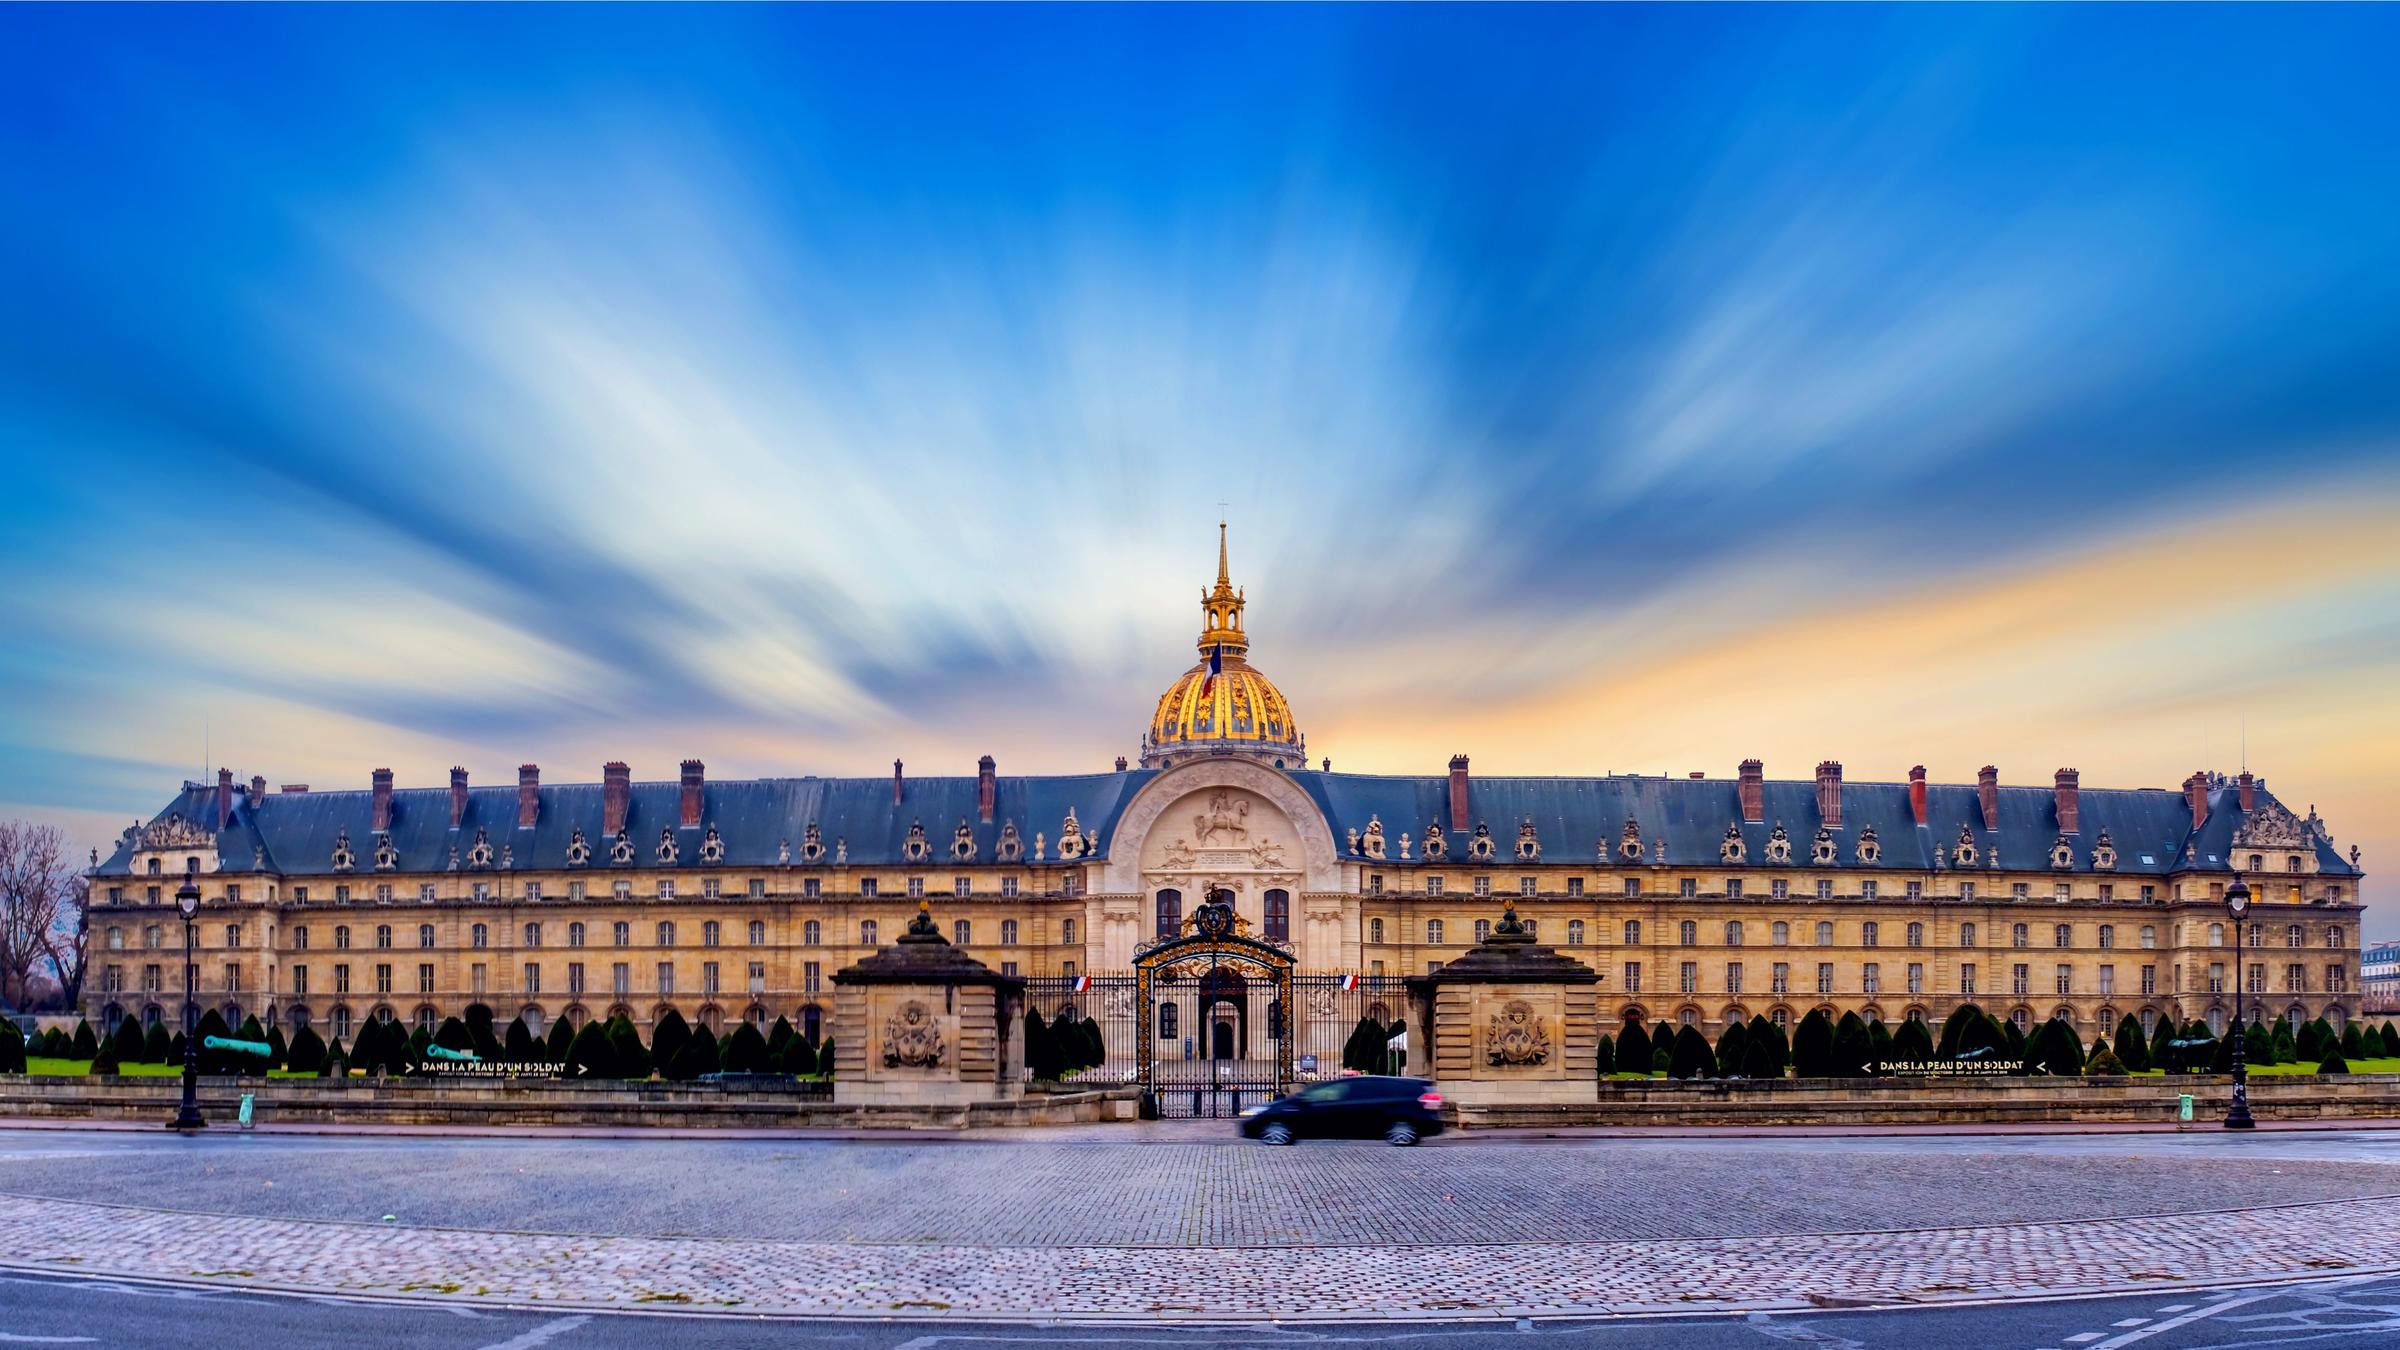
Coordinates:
[2237,1117]
[187,904]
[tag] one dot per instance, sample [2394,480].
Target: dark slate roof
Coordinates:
[1575,819]
[754,817]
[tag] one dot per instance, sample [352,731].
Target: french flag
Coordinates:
[1083,984]
[1216,667]
[1349,982]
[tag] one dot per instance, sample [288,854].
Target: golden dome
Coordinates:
[1222,705]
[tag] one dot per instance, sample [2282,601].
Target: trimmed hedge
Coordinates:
[1606,1062]
[1812,1046]
[87,1045]
[2333,1063]
[666,1041]
[1633,1049]
[745,1051]
[307,1054]
[2105,1064]
[518,1046]
[1765,1052]
[12,1047]
[1731,1047]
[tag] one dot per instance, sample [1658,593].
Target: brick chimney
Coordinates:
[695,781]
[616,795]
[458,796]
[258,787]
[1458,794]
[383,800]
[895,782]
[986,790]
[224,798]
[1829,793]
[529,795]
[1987,793]
[2069,792]
[1754,791]
[2195,792]
[1916,792]
[2249,792]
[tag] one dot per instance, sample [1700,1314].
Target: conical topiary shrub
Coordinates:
[2131,1049]
[562,1036]
[1850,1047]
[137,1046]
[1095,1051]
[1605,1057]
[697,1055]
[1041,1058]
[2353,1045]
[745,1051]
[825,1058]
[779,1038]
[104,1059]
[667,1036]
[279,1050]
[12,1047]
[2105,1064]
[1879,1046]
[1633,1049]
[517,1045]
[1692,1058]
[87,1045]
[590,1054]
[252,1066]
[1812,1046]
[2333,1063]
[453,1035]
[215,1062]
[337,1060]
[799,1057]
[307,1054]
[631,1058]
[1912,1043]
[1730,1048]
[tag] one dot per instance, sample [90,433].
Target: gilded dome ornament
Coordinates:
[1223,705]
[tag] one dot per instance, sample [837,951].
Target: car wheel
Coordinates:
[1401,1135]
[1275,1134]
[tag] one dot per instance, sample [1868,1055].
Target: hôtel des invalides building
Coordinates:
[1699,900]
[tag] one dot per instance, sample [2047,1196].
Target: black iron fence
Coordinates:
[1217,1051]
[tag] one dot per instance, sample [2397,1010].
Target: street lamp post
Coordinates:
[2237,902]
[187,903]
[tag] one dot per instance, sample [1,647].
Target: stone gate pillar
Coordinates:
[923,1023]
[1511,1022]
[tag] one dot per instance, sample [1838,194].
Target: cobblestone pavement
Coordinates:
[1091,1229]
[1298,1283]
[1187,1194]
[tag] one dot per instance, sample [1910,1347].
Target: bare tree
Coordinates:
[69,942]
[37,884]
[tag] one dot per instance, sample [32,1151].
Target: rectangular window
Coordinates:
[2066,979]
[758,977]
[2107,891]
[2149,980]
[1966,978]
[666,888]
[1916,890]
[2020,979]
[1633,886]
[1525,885]
[1733,977]
[2216,977]
[1008,887]
[1433,885]
[1375,883]
[475,978]
[1687,977]
[1866,890]
[1916,977]
[1688,886]
[621,889]
[533,978]
[962,886]
[482,890]
[1733,888]
[574,890]
[1633,977]
[810,976]
[711,888]
[383,978]
[575,977]
[1575,886]
[620,979]
[533,890]
[623,932]
[1966,890]
[757,888]
[2108,980]
[812,888]
[341,978]
[1483,885]
[666,977]
[1779,889]
[1825,977]
[916,887]
[866,887]
[1779,980]
[424,979]
[300,981]
[1824,889]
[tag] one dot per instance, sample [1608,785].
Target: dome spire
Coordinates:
[1221,611]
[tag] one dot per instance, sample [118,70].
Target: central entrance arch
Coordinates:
[1212,1003]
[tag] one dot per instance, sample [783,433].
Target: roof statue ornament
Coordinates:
[1779,844]
[1436,847]
[1731,848]
[578,851]
[1371,843]
[1529,841]
[812,845]
[1041,847]
[387,855]
[962,841]
[1820,849]
[667,849]
[841,848]
[1404,843]
[914,848]
[1012,846]
[1479,847]
[1070,838]
[783,852]
[2104,853]
[1629,841]
[508,857]
[343,858]
[480,855]
[2062,853]
[620,850]
[712,845]
[1870,848]
[1964,853]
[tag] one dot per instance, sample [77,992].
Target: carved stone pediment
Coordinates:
[2272,825]
[173,831]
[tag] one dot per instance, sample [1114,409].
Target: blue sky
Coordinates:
[1589,389]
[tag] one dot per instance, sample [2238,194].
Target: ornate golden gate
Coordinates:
[1215,1016]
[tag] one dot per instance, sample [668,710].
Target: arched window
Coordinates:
[1633,932]
[2019,935]
[758,932]
[2062,935]
[2149,1021]
[424,935]
[812,1022]
[479,936]
[2022,1017]
[1374,930]
[1825,934]
[1870,934]
[1168,1022]
[1782,933]
[666,935]
[1733,932]
[533,935]
[962,933]
[116,938]
[1687,933]
[1433,930]
[711,933]
[866,932]
[574,935]
[811,933]
[341,1023]
[1966,935]
[383,935]
[1574,932]
[2108,936]
[1170,913]
[1279,916]
[1916,935]
[1780,1019]
[1008,932]
[2149,936]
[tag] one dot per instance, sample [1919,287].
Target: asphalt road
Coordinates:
[2323,1314]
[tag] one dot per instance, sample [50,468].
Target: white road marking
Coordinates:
[2176,1308]
[547,1331]
[2219,1304]
[15,1339]
[2085,1338]
[2132,1322]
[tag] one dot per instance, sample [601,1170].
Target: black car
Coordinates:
[1398,1111]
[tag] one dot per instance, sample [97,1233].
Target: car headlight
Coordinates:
[1249,1111]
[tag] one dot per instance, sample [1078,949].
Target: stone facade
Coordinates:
[1694,900]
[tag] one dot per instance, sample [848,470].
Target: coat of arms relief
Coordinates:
[1515,1036]
[912,1038]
